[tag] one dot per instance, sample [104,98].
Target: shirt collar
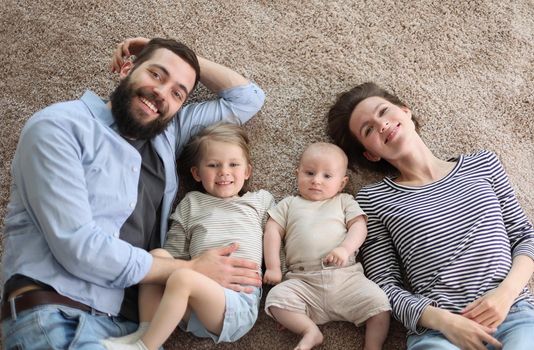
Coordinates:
[98,107]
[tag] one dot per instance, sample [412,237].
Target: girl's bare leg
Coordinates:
[376,331]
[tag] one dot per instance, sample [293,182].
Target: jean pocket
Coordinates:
[61,326]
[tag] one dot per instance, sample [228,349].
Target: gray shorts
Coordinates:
[332,294]
[239,316]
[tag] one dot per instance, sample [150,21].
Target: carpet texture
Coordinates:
[465,68]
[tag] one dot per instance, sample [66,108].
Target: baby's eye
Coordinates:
[327,176]
[211,165]
[309,173]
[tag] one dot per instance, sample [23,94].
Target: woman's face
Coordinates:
[381,127]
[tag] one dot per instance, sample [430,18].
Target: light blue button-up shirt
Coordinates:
[74,184]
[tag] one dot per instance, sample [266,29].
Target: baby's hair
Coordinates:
[220,132]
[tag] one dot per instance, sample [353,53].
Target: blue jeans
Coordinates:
[61,327]
[515,333]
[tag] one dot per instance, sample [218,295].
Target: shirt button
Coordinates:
[134,169]
[132,205]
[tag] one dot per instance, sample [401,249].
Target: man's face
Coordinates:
[150,94]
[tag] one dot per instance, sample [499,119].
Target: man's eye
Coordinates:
[155,75]
[178,95]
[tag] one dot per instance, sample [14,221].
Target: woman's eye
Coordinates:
[383,111]
[367,131]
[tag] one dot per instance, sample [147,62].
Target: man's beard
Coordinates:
[128,125]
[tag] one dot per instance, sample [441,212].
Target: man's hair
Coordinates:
[220,132]
[338,124]
[176,47]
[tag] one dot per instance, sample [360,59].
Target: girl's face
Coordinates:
[222,169]
[381,127]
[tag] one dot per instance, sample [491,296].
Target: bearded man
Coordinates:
[93,183]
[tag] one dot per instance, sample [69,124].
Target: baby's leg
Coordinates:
[186,287]
[376,331]
[300,324]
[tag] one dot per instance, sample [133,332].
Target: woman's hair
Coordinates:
[338,124]
[220,132]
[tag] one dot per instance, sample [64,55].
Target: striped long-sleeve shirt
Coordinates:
[447,243]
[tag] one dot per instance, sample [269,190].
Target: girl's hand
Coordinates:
[338,256]
[127,48]
[272,276]
[491,309]
[467,334]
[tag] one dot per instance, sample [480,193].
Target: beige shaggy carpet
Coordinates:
[465,67]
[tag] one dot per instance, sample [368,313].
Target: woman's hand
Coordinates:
[459,330]
[491,309]
[338,256]
[125,49]
[232,273]
[272,276]
[467,334]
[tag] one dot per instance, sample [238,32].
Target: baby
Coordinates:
[322,229]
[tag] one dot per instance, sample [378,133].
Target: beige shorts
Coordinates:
[340,294]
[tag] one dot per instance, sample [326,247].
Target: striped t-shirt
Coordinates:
[455,238]
[201,222]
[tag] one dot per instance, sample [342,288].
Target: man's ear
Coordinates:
[194,172]
[126,69]
[371,157]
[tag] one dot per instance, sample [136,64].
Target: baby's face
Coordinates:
[321,175]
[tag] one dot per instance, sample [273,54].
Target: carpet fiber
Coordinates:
[465,68]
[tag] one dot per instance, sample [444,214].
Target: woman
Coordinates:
[448,241]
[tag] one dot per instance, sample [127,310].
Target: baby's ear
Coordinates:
[343,183]
[194,172]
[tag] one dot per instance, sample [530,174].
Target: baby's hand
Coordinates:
[272,276]
[339,256]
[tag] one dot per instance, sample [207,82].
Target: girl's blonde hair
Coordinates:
[220,132]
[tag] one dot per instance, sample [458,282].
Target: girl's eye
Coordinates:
[233,165]
[211,165]
[383,111]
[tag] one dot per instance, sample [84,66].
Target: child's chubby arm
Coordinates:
[356,234]
[272,240]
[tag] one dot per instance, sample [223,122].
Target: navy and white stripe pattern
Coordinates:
[455,238]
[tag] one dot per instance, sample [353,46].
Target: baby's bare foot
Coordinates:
[311,338]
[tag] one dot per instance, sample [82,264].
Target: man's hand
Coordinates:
[338,256]
[232,273]
[467,334]
[127,48]
[272,276]
[491,309]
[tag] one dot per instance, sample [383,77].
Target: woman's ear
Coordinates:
[370,156]
[194,172]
